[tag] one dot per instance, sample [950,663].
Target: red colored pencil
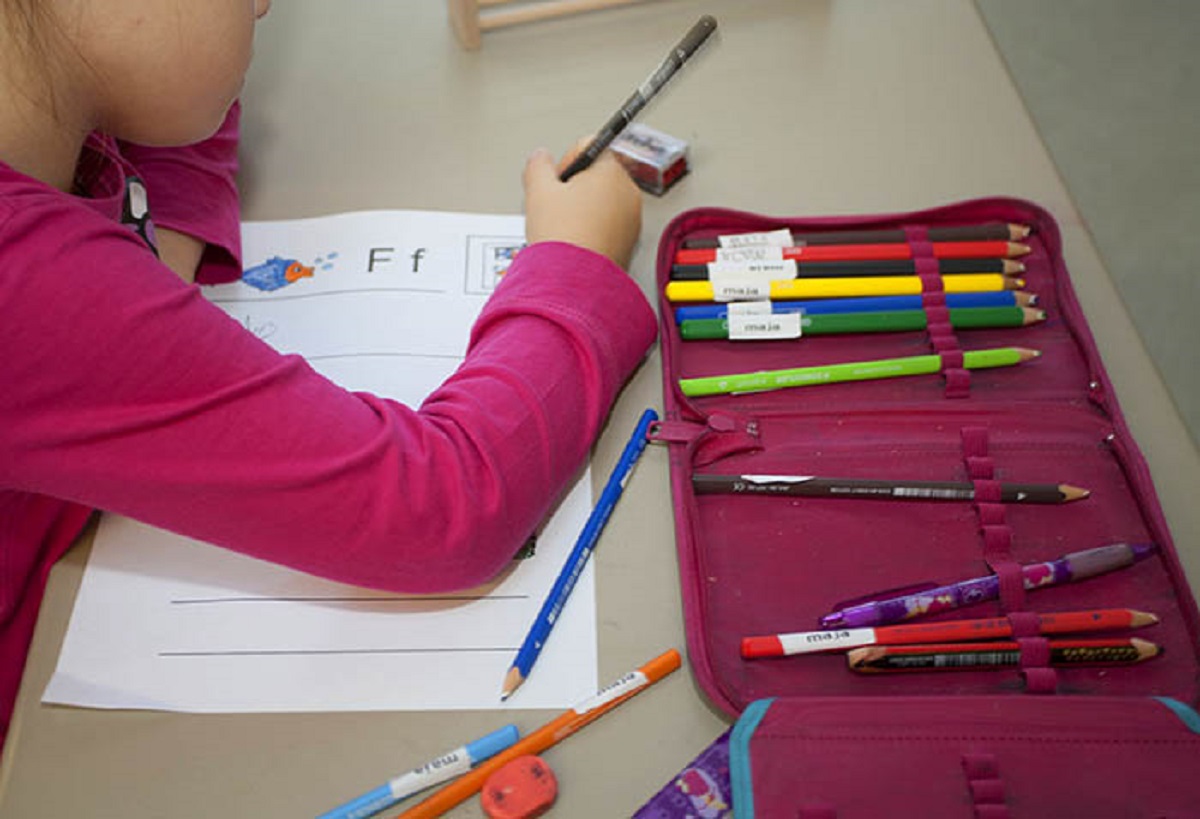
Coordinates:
[1063,622]
[834,253]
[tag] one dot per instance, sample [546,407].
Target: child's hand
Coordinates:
[599,208]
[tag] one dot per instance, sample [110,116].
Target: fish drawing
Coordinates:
[275,273]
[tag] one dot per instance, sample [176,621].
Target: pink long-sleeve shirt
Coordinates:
[123,389]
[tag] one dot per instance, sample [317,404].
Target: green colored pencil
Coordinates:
[884,321]
[851,371]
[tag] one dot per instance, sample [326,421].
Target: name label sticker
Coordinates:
[779,269]
[754,253]
[770,238]
[749,308]
[773,327]
[740,287]
[631,682]
[809,642]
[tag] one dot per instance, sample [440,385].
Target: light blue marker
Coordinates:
[445,767]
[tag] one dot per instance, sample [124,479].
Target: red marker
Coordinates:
[1064,622]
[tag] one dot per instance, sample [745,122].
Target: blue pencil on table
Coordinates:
[443,768]
[862,304]
[540,630]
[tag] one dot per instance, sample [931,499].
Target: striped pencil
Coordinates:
[948,631]
[978,656]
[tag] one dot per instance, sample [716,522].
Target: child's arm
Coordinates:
[132,393]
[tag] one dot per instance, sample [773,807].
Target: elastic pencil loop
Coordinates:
[940,332]
[1024,624]
[1040,680]
[985,785]
[1035,666]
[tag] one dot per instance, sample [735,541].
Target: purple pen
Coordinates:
[1068,568]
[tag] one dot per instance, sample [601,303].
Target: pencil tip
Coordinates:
[1073,493]
[512,681]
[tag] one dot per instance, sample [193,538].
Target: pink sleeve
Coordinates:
[193,190]
[136,395]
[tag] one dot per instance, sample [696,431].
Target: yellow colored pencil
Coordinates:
[845,286]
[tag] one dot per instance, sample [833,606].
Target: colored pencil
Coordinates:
[811,486]
[865,304]
[548,735]
[849,371]
[543,624]
[977,656]
[956,233]
[947,631]
[839,253]
[886,267]
[440,769]
[883,321]
[839,287]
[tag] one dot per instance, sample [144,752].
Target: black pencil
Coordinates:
[899,489]
[956,233]
[617,123]
[885,267]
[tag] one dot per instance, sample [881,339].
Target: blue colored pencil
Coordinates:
[443,768]
[863,304]
[540,630]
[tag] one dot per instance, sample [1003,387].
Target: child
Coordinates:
[123,389]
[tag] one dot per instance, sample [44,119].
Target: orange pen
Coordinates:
[548,735]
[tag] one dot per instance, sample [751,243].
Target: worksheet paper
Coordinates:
[380,301]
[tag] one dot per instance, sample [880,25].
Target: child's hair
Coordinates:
[33,29]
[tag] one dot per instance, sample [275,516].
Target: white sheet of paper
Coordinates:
[380,301]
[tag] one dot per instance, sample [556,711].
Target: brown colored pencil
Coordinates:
[956,233]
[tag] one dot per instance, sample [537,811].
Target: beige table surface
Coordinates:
[797,107]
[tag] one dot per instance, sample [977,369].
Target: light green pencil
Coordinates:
[851,371]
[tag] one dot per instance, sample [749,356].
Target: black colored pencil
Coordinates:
[898,489]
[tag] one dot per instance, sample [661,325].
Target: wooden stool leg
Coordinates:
[464,17]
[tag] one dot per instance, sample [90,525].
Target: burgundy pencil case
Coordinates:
[813,737]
